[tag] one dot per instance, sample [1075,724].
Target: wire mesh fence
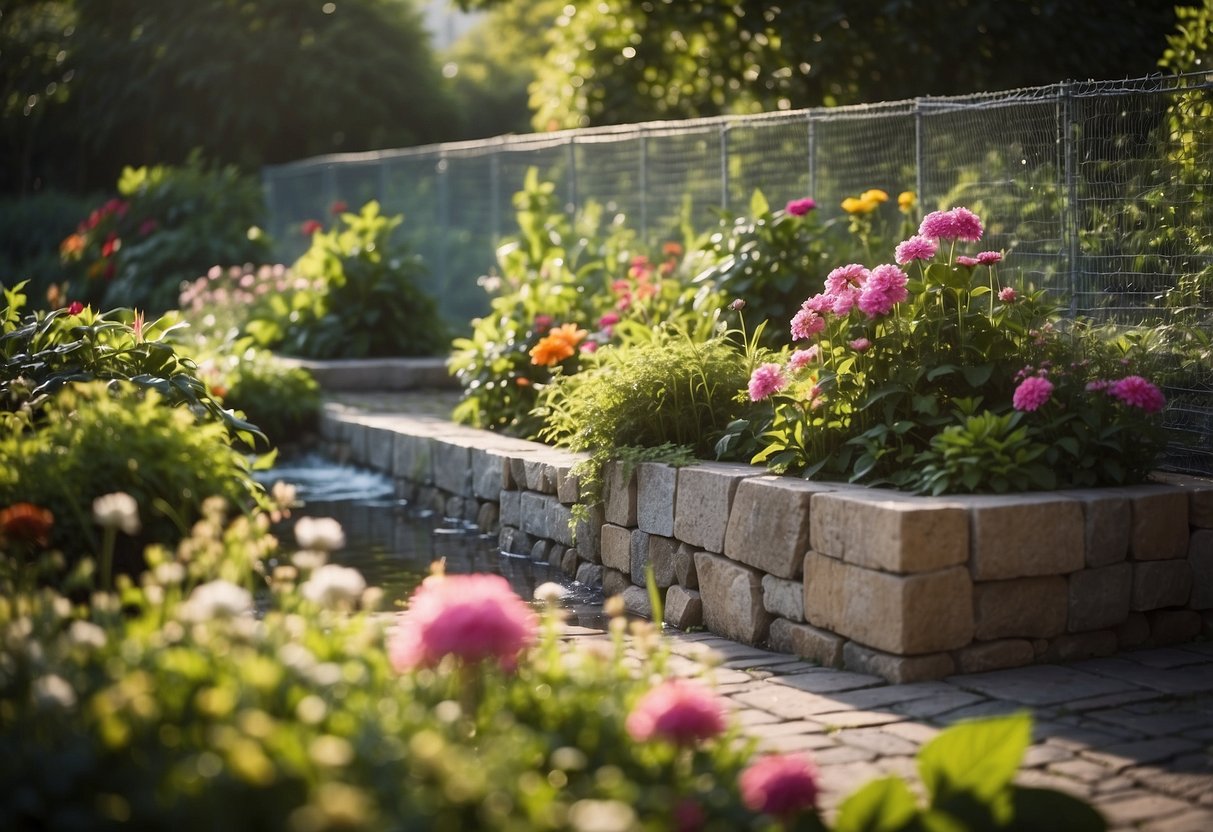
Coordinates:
[1101,191]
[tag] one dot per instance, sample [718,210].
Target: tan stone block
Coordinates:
[1200,558]
[783,598]
[807,642]
[901,614]
[1076,646]
[984,656]
[656,488]
[896,533]
[684,566]
[588,534]
[1200,496]
[1107,518]
[900,670]
[619,494]
[636,602]
[1099,598]
[704,499]
[1161,583]
[1022,535]
[683,608]
[769,523]
[1019,608]
[1159,524]
[732,599]
[658,552]
[617,547]
[615,582]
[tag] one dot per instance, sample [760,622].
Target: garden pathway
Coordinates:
[1132,733]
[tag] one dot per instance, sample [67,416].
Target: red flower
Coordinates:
[75,308]
[310,227]
[147,227]
[26,522]
[339,207]
[111,244]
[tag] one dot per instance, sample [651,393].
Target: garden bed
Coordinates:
[908,588]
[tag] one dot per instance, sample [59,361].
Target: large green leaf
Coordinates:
[980,757]
[882,805]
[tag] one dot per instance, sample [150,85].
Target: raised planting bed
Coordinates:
[907,588]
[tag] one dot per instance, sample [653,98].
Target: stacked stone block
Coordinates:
[908,588]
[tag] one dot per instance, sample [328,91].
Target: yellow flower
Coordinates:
[874,195]
[906,200]
[859,205]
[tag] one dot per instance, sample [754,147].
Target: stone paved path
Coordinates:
[1132,734]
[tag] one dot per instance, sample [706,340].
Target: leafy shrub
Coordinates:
[356,294]
[31,228]
[94,438]
[165,226]
[282,400]
[894,354]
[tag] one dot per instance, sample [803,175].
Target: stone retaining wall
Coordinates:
[908,588]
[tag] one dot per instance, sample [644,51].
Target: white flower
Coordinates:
[307,561]
[53,691]
[171,572]
[323,533]
[284,494]
[117,511]
[217,599]
[86,634]
[334,586]
[549,593]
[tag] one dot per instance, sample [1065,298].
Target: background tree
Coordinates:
[617,61]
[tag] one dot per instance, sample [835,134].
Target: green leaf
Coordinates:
[980,757]
[941,370]
[978,375]
[1045,810]
[882,805]
[759,207]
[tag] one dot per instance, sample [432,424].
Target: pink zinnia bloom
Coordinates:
[845,301]
[780,785]
[886,287]
[766,379]
[965,260]
[820,303]
[861,345]
[1099,385]
[802,358]
[989,258]
[967,225]
[1032,393]
[915,248]
[473,617]
[851,276]
[800,207]
[937,225]
[1007,295]
[589,346]
[1135,391]
[806,323]
[677,711]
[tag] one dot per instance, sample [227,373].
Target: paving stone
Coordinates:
[1023,607]
[806,641]
[825,680]
[1036,778]
[1040,685]
[877,740]
[704,501]
[1161,583]
[747,718]
[1174,722]
[617,547]
[1191,820]
[984,656]
[1038,756]
[899,614]
[781,700]
[1123,755]
[1139,806]
[897,669]
[1080,769]
[1024,535]
[1099,598]
[1160,522]
[788,727]
[793,743]
[619,494]
[783,598]
[1077,738]
[683,608]
[768,524]
[732,598]
[841,754]
[1200,558]
[938,705]
[1111,700]
[981,710]
[858,719]
[914,732]
[656,492]
[894,533]
[1188,776]
[1172,657]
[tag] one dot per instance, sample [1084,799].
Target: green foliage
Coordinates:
[985,451]
[283,401]
[166,225]
[364,297]
[92,439]
[31,229]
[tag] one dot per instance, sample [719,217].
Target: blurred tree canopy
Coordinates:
[617,61]
[92,85]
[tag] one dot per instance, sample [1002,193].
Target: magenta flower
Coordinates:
[845,301]
[1007,294]
[473,617]
[608,320]
[886,287]
[938,225]
[861,345]
[765,380]
[800,207]
[965,260]
[543,323]
[1136,391]
[677,711]
[75,308]
[820,303]
[806,323]
[989,258]
[1099,385]
[915,248]
[780,785]
[802,358]
[967,225]
[851,276]
[1031,393]
[310,227]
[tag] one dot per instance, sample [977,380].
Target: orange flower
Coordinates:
[72,246]
[557,345]
[26,522]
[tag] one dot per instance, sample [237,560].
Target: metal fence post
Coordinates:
[572,174]
[444,218]
[919,152]
[1069,224]
[644,186]
[812,127]
[495,195]
[724,166]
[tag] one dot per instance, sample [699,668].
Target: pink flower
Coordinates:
[1135,391]
[1031,393]
[339,207]
[957,224]
[1099,385]
[843,278]
[589,346]
[989,258]
[310,227]
[689,816]
[820,303]
[860,345]
[766,379]
[75,308]
[800,207]
[780,785]
[473,617]
[967,225]
[543,323]
[1007,294]
[806,323]
[608,320]
[965,260]
[802,358]
[886,287]
[678,711]
[915,248]
[737,305]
